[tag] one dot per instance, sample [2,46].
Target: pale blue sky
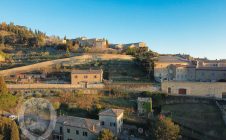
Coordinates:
[197,27]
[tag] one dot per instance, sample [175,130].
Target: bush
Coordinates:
[8,129]
[165,129]
[7,101]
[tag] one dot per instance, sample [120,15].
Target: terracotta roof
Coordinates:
[90,124]
[111,112]
[87,71]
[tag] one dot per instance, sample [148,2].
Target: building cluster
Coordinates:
[94,42]
[69,127]
[200,77]
[176,68]
[130,45]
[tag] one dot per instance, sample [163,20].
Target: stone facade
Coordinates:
[94,42]
[75,128]
[112,119]
[178,69]
[163,67]
[208,89]
[86,77]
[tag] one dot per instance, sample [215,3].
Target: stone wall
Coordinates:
[51,86]
[134,86]
[208,89]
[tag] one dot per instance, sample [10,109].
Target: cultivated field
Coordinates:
[201,118]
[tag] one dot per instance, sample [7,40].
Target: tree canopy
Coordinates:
[8,129]
[165,129]
[3,87]
[106,134]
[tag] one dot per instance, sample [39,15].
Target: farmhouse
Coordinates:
[86,76]
[69,127]
[207,89]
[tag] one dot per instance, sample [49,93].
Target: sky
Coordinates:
[195,27]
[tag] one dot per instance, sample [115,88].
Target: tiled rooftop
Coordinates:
[90,124]
[87,71]
[111,112]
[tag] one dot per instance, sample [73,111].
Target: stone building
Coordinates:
[94,42]
[76,128]
[112,119]
[86,76]
[179,69]
[163,69]
[208,89]
[144,106]
[210,63]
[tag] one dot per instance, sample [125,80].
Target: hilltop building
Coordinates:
[68,127]
[94,42]
[180,69]
[86,76]
[163,68]
[130,45]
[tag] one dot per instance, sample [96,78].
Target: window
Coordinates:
[85,76]
[112,124]
[102,123]
[224,95]
[85,134]
[76,76]
[61,130]
[169,90]
[77,132]
[95,76]
[68,130]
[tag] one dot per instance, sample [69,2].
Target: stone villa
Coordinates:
[86,76]
[75,128]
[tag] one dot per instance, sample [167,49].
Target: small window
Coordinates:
[102,123]
[61,130]
[85,134]
[77,132]
[76,76]
[68,130]
[169,90]
[112,124]
[95,76]
[224,95]
[85,76]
